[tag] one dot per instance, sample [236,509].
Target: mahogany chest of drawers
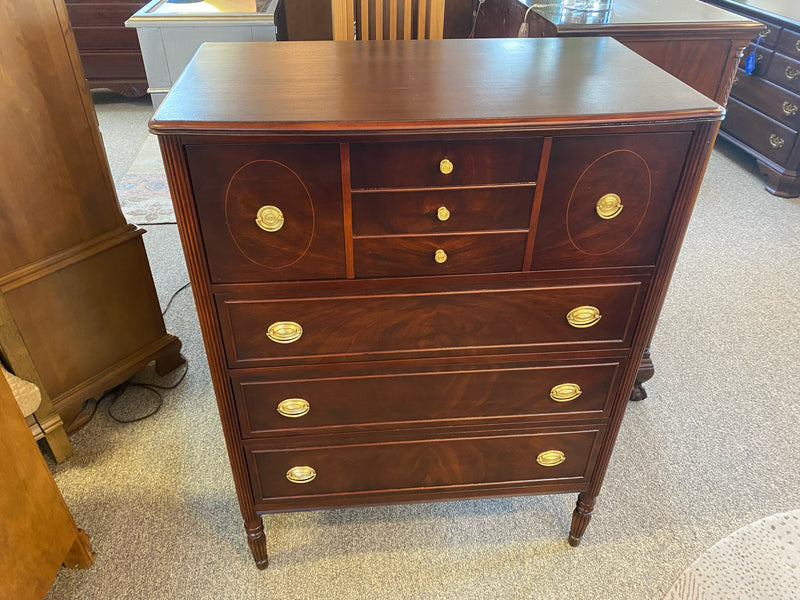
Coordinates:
[427,270]
[763,114]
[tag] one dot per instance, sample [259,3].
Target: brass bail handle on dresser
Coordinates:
[269,218]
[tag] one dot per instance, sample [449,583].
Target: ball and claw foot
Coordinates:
[581,517]
[257,542]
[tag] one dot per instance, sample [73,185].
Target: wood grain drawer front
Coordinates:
[639,173]
[419,164]
[419,211]
[770,138]
[439,254]
[770,34]
[98,14]
[763,59]
[543,392]
[789,44]
[785,72]
[369,327]
[774,101]
[426,464]
[269,212]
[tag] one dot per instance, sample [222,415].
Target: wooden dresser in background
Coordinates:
[109,52]
[764,111]
[430,272]
[74,276]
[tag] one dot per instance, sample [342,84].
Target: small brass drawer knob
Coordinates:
[551,458]
[293,407]
[442,214]
[609,206]
[303,474]
[446,167]
[583,316]
[791,73]
[789,109]
[776,141]
[284,332]
[440,256]
[565,392]
[269,218]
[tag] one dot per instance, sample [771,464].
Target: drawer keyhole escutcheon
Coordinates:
[789,109]
[284,332]
[293,407]
[609,206]
[583,316]
[440,256]
[551,458]
[302,474]
[565,392]
[446,167]
[269,218]
[776,141]
[442,214]
[792,73]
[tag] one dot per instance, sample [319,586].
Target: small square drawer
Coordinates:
[271,402]
[770,34]
[444,163]
[789,43]
[606,200]
[258,332]
[763,58]
[269,212]
[785,72]
[442,210]
[475,461]
[402,256]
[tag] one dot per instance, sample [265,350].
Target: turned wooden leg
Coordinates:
[80,555]
[257,542]
[646,371]
[581,517]
[170,357]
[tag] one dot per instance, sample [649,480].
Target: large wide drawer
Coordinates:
[375,326]
[607,199]
[467,461]
[422,164]
[768,98]
[466,392]
[764,135]
[454,254]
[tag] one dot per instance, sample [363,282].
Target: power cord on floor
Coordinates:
[115,394]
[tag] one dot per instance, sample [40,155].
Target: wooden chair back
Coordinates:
[387,19]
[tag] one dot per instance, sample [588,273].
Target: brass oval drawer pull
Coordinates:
[609,206]
[551,458]
[293,407]
[583,316]
[445,166]
[443,214]
[792,73]
[302,474]
[565,392]
[776,141]
[269,218]
[440,256]
[284,332]
[789,109]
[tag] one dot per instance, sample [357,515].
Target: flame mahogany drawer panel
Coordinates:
[428,464]
[418,164]
[417,211]
[232,183]
[421,255]
[371,326]
[427,271]
[642,171]
[540,390]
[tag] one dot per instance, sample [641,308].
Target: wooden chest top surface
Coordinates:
[336,87]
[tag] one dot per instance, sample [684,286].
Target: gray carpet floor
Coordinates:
[712,449]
